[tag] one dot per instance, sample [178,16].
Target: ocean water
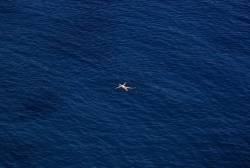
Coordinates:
[60,62]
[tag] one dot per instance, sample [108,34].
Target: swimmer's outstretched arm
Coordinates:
[118,86]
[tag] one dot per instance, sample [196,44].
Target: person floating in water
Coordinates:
[124,87]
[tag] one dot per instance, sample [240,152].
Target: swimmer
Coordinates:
[124,87]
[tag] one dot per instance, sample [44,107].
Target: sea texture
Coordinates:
[60,61]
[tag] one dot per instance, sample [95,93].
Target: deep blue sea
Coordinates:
[60,61]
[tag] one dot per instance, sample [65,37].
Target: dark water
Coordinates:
[61,60]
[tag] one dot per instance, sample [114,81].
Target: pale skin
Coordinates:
[124,87]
